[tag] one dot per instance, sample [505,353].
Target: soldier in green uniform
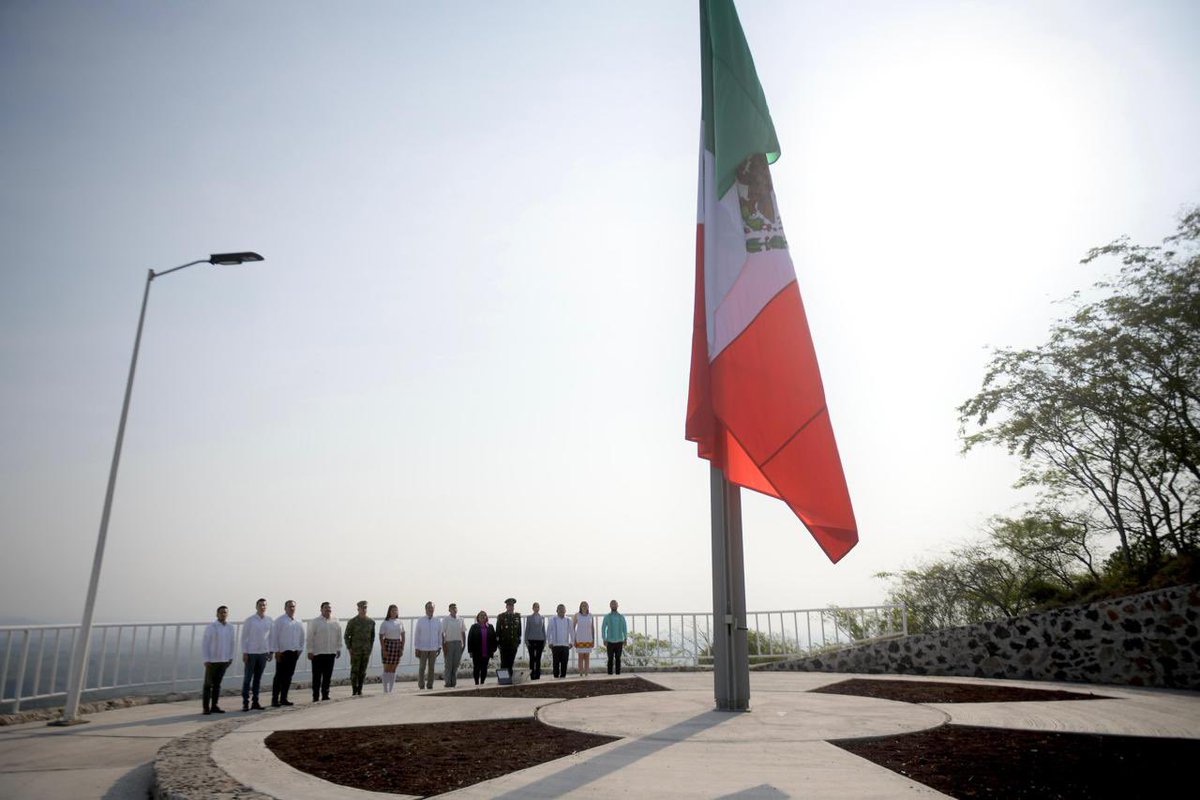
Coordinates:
[360,641]
[508,634]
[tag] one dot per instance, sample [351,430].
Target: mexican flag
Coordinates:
[756,406]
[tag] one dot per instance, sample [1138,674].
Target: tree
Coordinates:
[1104,415]
[937,596]
[647,651]
[1022,563]
[1056,549]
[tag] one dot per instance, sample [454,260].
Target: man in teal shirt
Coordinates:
[614,633]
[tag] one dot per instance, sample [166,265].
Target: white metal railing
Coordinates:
[163,657]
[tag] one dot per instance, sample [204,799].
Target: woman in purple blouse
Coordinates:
[481,644]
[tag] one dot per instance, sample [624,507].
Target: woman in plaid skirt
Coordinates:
[391,641]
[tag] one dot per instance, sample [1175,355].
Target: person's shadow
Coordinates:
[610,761]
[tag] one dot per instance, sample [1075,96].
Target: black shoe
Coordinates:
[245,707]
[216,710]
[257,707]
[274,705]
[286,703]
[207,712]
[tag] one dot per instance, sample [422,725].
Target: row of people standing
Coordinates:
[263,639]
[284,639]
[559,632]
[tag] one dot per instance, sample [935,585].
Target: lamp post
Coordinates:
[79,651]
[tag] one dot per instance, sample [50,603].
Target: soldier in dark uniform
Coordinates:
[508,634]
[360,641]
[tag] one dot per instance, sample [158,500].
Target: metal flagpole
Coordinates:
[731,658]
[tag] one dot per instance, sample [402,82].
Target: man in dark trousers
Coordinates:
[216,648]
[560,637]
[535,640]
[324,645]
[287,640]
[614,632]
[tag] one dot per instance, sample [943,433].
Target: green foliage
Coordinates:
[646,651]
[761,647]
[1105,414]
[860,626]
[1023,563]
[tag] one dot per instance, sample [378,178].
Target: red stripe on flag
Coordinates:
[700,424]
[758,412]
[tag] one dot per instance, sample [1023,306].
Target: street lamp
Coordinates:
[79,652]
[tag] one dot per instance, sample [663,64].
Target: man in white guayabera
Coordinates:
[427,643]
[324,645]
[454,639]
[287,642]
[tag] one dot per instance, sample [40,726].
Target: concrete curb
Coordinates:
[184,768]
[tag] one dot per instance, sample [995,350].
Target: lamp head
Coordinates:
[233,258]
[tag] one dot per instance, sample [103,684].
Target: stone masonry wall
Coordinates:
[1150,639]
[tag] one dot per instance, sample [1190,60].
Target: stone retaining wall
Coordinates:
[1150,639]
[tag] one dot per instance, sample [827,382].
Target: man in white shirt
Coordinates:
[256,652]
[287,641]
[216,648]
[324,645]
[454,639]
[427,643]
[558,637]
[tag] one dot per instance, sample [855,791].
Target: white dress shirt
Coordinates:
[453,629]
[217,644]
[256,634]
[428,634]
[391,629]
[324,636]
[558,631]
[287,634]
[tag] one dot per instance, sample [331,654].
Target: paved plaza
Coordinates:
[672,744]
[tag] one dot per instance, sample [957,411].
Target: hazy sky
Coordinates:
[461,372]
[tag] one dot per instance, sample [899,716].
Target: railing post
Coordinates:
[37,664]
[20,687]
[192,660]
[162,642]
[116,658]
[8,640]
[54,663]
[149,640]
[174,661]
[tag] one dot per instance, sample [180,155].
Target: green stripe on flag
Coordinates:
[737,123]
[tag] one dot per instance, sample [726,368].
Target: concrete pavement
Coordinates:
[672,744]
